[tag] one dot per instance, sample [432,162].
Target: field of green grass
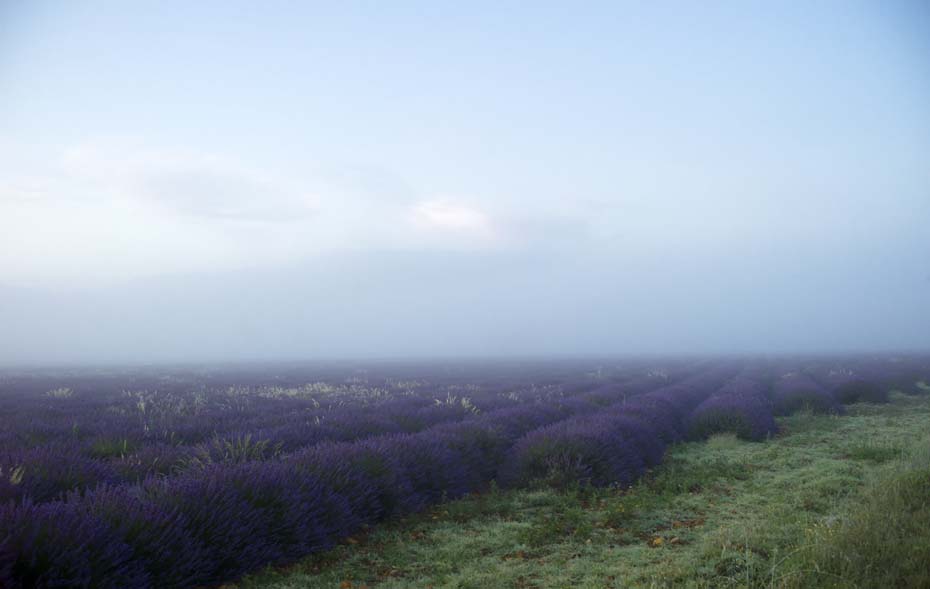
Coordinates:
[831,502]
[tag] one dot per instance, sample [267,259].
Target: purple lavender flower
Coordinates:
[796,392]
[61,544]
[599,450]
[747,414]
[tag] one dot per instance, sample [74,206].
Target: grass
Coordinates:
[830,502]
[883,541]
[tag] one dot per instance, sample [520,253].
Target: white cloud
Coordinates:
[112,210]
[445,218]
[186,182]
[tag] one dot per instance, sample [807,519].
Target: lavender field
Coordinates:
[192,477]
[464,295]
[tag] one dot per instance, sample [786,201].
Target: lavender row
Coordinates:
[741,407]
[215,524]
[221,521]
[44,472]
[613,446]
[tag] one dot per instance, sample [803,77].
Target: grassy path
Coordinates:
[789,512]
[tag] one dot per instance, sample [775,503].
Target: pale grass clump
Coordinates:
[235,450]
[13,474]
[60,393]
[453,401]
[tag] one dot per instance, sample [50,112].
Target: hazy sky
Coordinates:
[226,179]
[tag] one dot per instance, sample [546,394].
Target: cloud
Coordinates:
[447,219]
[108,210]
[186,182]
[115,209]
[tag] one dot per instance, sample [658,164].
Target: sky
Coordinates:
[231,180]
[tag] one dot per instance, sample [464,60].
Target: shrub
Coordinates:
[578,405]
[159,538]
[480,446]
[594,450]
[49,472]
[60,544]
[513,422]
[638,432]
[252,514]
[659,413]
[907,385]
[360,426]
[291,437]
[368,480]
[433,470]
[859,390]
[797,392]
[746,415]
[682,398]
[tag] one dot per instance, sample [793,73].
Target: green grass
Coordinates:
[831,502]
[883,540]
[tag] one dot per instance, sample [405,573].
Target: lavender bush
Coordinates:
[747,415]
[796,392]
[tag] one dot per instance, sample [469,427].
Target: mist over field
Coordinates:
[466,305]
[464,295]
[213,182]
